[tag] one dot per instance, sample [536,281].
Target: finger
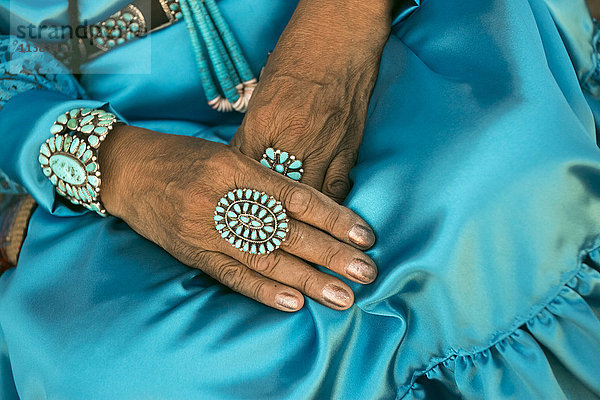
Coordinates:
[289,270]
[312,207]
[336,184]
[320,248]
[243,280]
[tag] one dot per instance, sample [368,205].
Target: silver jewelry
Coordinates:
[282,162]
[251,221]
[69,159]
[121,27]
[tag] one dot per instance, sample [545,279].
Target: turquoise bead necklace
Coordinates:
[212,40]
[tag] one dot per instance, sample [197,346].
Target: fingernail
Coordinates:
[362,236]
[336,295]
[287,300]
[360,270]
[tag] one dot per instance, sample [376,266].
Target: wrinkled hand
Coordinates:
[313,96]
[166,187]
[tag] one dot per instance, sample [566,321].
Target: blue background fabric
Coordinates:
[479,172]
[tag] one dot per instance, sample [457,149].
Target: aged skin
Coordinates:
[167,189]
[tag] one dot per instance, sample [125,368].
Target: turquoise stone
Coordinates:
[54,180]
[87,128]
[86,120]
[80,151]
[45,150]
[94,207]
[90,190]
[178,16]
[267,220]
[93,140]
[218,218]
[62,119]
[98,112]
[238,230]
[56,129]
[127,17]
[47,171]
[69,191]
[281,216]
[86,156]
[74,113]
[231,239]
[239,193]
[61,186]
[262,249]
[283,157]
[224,201]
[253,235]
[256,196]
[220,226]
[237,208]
[247,233]
[283,225]
[253,249]
[174,6]
[134,27]
[294,175]
[256,224]
[74,145]
[262,213]
[271,203]
[231,196]
[86,111]
[295,165]
[220,209]
[277,208]
[270,153]
[99,41]
[268,229]
[224,234]
[279,168]
[254,209]
[276,242]
[248,194]
[245,207]
[244,219]
[238,244]
[245,248]
[115,33]
[82,194]
[103,32]
[72,124]
[91,167]
[262,235]
[95,30]
[233,223]
[129,36]
[121,24]
[111,43]
[93,180]
[270,247]
[281,234]
[120,41]
[101,130]
[110,23]
[42,159]
[231,214]
[52,144]
[264,198]
[67,143]
[67,168]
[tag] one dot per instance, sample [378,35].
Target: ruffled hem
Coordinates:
[554,355]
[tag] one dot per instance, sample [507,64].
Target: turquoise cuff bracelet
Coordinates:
[69,159]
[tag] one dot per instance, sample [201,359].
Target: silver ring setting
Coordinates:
[251,221]
[282,162]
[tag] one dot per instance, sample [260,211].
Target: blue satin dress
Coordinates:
[479,172]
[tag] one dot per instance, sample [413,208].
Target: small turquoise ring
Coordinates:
[282,162]
[251,221]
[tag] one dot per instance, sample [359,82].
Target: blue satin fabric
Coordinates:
[479,172]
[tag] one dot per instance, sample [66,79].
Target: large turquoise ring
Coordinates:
[251,221]
[282,162]
[69,159]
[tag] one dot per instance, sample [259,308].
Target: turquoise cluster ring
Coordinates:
[69,159]
[251,221]
[282,162]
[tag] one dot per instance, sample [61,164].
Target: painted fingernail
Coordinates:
[288,301]
[362,236]
[360,270]
[336,295]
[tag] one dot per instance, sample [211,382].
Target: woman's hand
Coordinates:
[166,187]
[313,96]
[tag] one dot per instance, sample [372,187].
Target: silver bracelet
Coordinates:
[69,159]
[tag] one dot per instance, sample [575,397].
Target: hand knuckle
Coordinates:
[331,221]
[296,200]
[331,255]
[265,265]
[230,274]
